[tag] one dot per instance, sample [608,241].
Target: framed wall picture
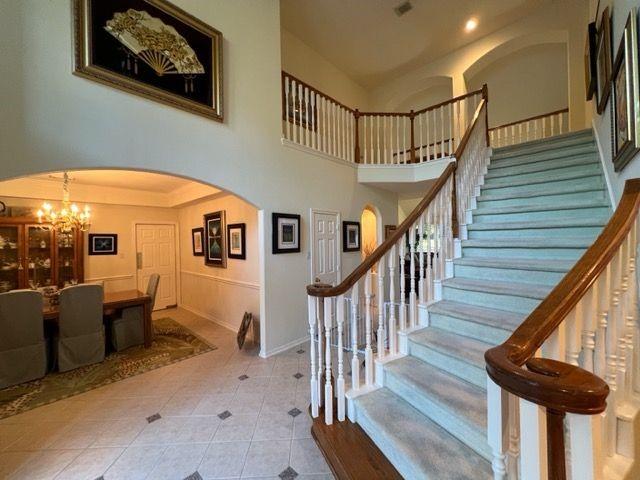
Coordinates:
[603,61]
[590,61]
[236,241]
[350,236]
[286,233]
[153,49]
[625,96]
[103,244]
[215,254]
[388,230]
[197,241]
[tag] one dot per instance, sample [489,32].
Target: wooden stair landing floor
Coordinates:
[349,451]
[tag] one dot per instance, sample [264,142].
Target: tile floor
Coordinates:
[197,419]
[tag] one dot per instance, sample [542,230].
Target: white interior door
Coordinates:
[325,251]
[156,253]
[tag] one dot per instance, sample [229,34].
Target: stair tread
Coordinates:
[551,242]
[465,400]
[466,348]
[545,144]
[430,450]
[537,192]
[483,315]
[555,265]
[515,182]
[531,167]
[528,290]
[540,207]
[593,221]
[586,134]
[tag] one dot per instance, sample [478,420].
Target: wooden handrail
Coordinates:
[312,89]
[536,117]
[451,100]
[384,247]
[559,386]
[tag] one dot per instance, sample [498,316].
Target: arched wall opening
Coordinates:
[369,222]
[127,203]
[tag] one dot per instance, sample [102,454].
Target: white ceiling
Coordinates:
[370,43]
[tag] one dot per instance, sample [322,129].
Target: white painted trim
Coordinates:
[302,148]
[285,347]
[262,255]
[113,278]
[607,179]
[312,214]
[230,281]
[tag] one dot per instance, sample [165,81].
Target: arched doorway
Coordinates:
[370,226]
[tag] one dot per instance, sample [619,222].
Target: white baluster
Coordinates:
[428,128]
[312,302]
[573,329]
[320,315]
[314,120]
[393,348]
[421,293]
[533,441]
[368,351]
[364,139]
[300,116]
[380,294]
[371,139]
[385,148]
[287,123]
[328,388]
[412,274]
[355,360]
[513,462]
[421,142]
[441,132]
[589,313]
[404,139]
[497,428]
[403,313]
[378,158]
[307,132]
[340,390]
[585,439]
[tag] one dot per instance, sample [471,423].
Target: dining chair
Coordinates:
[23,349]
[128,329]
[80,340]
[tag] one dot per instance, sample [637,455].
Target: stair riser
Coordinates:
[585,151]
[537,168]
[574,213]
[508,275]
[547,175]
[440,414]
[528,253]
[559,232]
[585,135]
[510,303]
[460,326]
[553,199]
[593,182]
[453,365]
[550,148]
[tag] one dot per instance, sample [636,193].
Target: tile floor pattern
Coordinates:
[114,432]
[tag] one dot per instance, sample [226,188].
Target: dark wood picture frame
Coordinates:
[191,79]
[603,61]
[244,329]
[625,96]
[215,244]
[278,240]
[242,228]
[388,230]
[93,237]
[350,244]
[194,233]
[590,61]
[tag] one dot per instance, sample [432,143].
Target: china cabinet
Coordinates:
[33,255]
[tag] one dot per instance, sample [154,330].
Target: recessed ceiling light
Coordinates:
[471,24]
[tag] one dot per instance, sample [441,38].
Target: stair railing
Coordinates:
[314,120]
[547,378]
[406,270]
[532,128]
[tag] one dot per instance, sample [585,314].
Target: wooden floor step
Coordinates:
[349,451]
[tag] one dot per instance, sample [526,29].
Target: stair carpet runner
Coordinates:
[542,204]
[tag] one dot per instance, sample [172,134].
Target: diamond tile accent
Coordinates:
[298,375]
[194,476]
[288,474]
[224,415]
[294,412]
[243,377]
[154,417]
[300,351]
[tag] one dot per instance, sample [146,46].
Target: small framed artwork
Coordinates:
[153,49]
[215,254]
[590,61]
[244,329]
[388,230]
[103,244]
[197,237]
[286,233]
[350,236]
[625,96]
[603,61]
[236,241]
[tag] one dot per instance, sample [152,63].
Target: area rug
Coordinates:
[172,342]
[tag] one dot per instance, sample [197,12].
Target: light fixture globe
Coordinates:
[70,217]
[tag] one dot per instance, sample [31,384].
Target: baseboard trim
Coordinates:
[284,347]
[605,172]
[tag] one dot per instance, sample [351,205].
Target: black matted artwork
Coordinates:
[350,236]
[215,254]
[236,241]
[286,233]
[103,244]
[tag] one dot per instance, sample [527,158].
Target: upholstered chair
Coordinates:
[23,350]
[80,339]
[128,329]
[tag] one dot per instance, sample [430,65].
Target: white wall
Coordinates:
[300,60]
[525,83]
[220,294]
[51,120]
[619,10]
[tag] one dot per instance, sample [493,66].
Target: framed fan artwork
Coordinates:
[153,49]
[215,245]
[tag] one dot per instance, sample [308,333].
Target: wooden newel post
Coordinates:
[555,445]
[356,116]
[485,97]
[413,142]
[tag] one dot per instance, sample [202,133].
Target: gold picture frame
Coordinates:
[95,58]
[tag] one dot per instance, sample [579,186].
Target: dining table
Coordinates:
[115,301]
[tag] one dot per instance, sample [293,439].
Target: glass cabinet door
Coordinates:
[11,261]
[40,256]
[66,259]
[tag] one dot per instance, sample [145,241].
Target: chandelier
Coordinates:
[69,217]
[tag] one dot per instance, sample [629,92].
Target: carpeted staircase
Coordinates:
[542,204]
